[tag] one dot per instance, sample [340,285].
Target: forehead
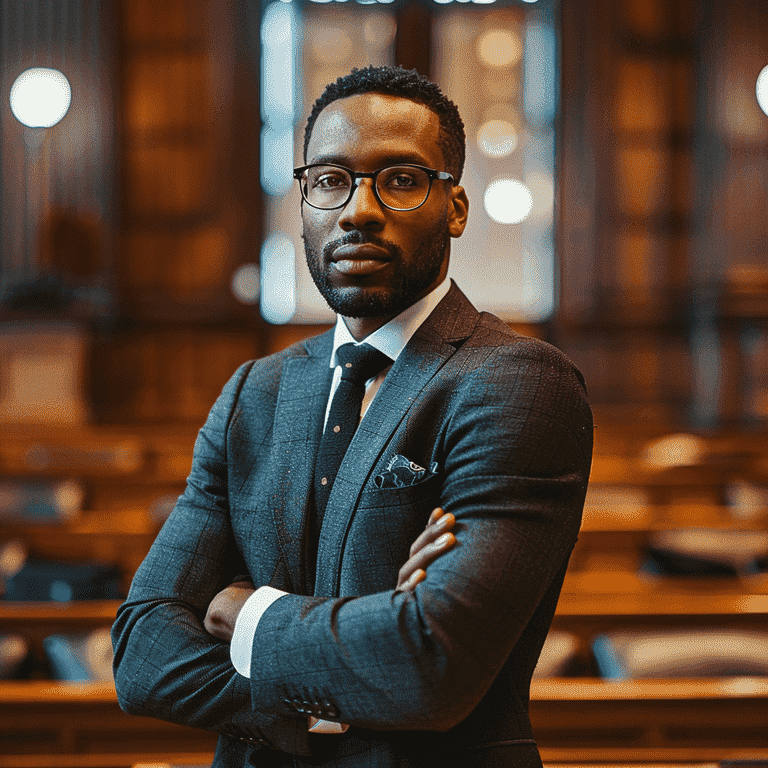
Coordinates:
[370,128]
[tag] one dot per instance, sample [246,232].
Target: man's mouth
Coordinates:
[360,259]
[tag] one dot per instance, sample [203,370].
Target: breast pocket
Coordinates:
[385,524]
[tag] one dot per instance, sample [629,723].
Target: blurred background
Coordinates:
[617,169]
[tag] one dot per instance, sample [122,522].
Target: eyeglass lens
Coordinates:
[400,187]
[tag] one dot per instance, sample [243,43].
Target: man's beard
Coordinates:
[401,292]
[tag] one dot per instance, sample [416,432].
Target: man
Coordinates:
[422,665]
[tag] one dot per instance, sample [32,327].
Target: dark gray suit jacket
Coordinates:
[436,678]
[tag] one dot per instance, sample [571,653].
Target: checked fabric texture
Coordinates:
[358,364]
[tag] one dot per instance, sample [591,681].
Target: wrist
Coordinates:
[222,614]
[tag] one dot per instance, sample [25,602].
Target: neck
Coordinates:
[362,327]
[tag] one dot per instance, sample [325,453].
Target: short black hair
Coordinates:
[408,84]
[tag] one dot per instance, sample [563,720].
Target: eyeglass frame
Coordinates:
[373,175]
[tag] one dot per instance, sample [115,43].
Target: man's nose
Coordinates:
[363,210]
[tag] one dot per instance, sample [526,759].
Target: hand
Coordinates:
[225,608]
[435,540]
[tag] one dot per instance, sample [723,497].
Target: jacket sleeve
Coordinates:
[165,664]
[516,450]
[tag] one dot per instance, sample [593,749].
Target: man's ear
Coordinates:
[458,212]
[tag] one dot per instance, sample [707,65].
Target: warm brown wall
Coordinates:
[663,174]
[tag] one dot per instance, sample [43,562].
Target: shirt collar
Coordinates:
[392,337]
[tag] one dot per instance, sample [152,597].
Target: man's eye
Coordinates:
[402,180]
[329,181]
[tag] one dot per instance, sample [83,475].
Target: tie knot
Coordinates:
[360,362]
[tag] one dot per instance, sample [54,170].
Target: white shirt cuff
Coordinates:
[241,646]
[325,726]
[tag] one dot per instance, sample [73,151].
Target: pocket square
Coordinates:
[402,472]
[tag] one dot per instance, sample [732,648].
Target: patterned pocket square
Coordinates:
[402,472]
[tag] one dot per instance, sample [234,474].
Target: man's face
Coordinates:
[369,261]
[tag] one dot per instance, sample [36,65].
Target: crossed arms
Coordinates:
[437,537]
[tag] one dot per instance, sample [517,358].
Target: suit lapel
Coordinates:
[431,346]
[303,395]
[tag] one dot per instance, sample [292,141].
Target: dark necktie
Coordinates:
[358,364]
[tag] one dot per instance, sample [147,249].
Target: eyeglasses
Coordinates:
[398,187]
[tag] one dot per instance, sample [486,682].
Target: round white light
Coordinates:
[246,284]
[497,138]
[508,201]
[40,97]
[761,88]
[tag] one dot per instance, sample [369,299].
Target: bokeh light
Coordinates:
[761,89]
[499,48]
[497,138]
[508,201]
[245,284]
[278,279]
[40,97]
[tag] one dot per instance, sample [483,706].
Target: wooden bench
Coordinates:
[584,717]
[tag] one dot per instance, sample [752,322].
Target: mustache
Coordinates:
[359,238]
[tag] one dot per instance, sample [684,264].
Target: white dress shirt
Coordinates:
[390,339]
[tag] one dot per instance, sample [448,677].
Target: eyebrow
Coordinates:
[406,157]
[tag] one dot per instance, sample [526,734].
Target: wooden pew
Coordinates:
[574,719]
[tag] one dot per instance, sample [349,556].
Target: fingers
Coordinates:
[439,522]
[415,567]
[416,578]
[431,551]
[436,539]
